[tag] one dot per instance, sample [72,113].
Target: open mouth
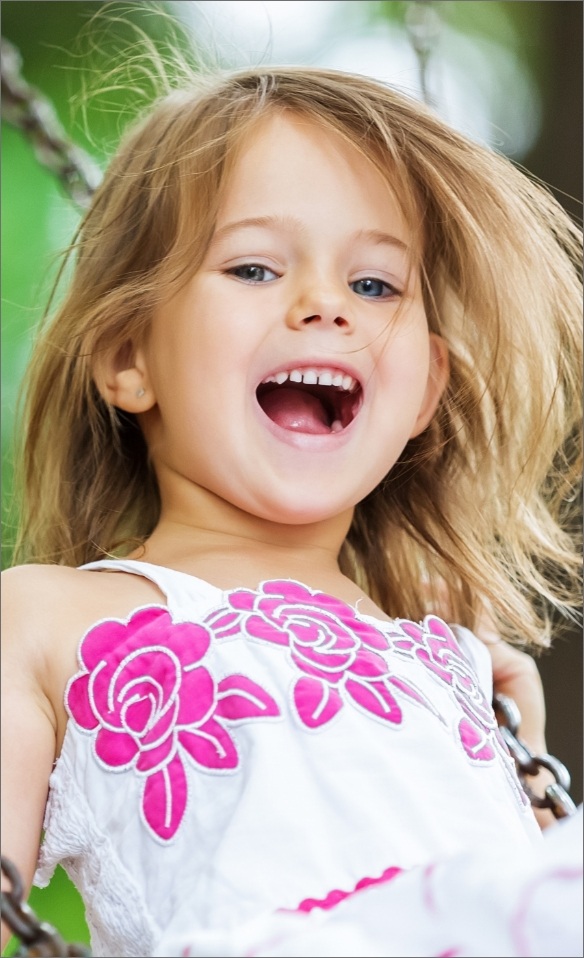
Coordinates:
[315,400]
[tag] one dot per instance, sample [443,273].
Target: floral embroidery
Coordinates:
[145,692]
[433,643]
[335,651]
[150,701]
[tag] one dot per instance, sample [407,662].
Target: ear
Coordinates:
[121,377]
[438,375]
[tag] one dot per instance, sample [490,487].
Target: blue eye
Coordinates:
[253,273]
[373,288]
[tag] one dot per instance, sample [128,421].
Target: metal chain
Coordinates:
[38,938]
[423,25]
[27,110]
[555,796]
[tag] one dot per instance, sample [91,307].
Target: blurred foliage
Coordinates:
[517,25]
[61,58]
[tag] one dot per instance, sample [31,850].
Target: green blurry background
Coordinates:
[541,40]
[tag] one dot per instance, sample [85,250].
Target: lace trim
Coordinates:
[118,920]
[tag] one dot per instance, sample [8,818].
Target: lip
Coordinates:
[325,442]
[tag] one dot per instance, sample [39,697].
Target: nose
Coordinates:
[320,304]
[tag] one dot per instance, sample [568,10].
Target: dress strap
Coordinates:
[478,654]
[180,589]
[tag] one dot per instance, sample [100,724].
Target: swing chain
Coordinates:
[556,796]
[27,110]
[423,26]
[38,938]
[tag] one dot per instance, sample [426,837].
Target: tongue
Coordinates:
[297,410]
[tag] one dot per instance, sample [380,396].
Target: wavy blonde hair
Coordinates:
[477,509]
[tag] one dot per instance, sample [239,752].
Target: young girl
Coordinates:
[313,389]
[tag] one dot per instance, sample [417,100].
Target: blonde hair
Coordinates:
[476,512]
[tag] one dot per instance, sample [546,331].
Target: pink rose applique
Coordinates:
[335,651]
[435,645]
[150,701]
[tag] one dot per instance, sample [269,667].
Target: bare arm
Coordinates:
[45,611]
[28,732]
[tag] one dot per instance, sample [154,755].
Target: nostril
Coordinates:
[338,321]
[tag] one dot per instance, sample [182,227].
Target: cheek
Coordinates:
[405,362]
[196,392]
[176,362]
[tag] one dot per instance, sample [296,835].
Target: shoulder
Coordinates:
[31,595]
[41,590]
[46,610]
[25,582]
[40,600]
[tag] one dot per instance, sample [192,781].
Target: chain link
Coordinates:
[555,796]
[38,938]
[423,25]
[27,110]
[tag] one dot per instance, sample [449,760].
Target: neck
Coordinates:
[203,534]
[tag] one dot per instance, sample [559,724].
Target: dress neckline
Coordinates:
[136,566]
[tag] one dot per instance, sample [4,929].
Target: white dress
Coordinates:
[269,769]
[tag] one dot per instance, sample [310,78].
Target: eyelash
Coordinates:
[238,272]
[391,290]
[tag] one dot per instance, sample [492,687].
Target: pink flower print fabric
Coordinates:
[335,652]
[433,643]
[151,702]
[146,692]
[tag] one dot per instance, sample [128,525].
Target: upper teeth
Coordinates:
[323,376]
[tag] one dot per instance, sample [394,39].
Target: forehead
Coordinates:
[293,162]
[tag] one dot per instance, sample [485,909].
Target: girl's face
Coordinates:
[288,375]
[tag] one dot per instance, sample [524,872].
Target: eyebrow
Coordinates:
[291,224]
[381,238]
[287,223]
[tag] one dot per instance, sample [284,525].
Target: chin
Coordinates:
[296,511]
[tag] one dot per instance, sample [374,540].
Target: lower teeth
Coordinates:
[336,426]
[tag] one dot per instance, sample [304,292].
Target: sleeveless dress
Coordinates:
[232,754]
